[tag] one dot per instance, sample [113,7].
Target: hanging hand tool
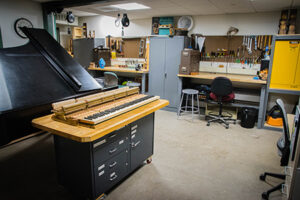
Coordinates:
[249,46]
[255,43]
[258,42]
[265,42]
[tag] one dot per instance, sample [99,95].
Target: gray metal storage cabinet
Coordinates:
[164,64]
[83,49]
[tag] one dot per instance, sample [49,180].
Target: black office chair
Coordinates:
[221,91]
[283,145]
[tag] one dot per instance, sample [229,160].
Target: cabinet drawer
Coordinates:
[141,139]
[110,146]
[111,172]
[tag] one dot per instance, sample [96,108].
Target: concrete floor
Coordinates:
[191,161]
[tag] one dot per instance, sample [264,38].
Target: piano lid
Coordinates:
[40,72]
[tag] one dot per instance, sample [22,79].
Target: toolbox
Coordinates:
[189,61]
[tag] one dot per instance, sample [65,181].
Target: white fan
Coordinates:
[185,22]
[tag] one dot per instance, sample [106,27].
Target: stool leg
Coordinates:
[198,104]
[179,107]
[186,102]
[192,106]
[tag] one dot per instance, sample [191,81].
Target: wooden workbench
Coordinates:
[233,77]
[91,161]
[237,80]
[142,72]
[119,69]
[85,134]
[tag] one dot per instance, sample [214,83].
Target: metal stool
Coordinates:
[189,92]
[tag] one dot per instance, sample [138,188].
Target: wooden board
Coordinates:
[119,69]
[84,134]
[131,47]
[233,77]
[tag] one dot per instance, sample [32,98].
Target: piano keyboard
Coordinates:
[93,109]
[117,110]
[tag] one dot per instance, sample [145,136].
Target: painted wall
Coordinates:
[104,25]
[250,23]
[12,10]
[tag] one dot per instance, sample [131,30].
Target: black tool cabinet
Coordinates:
[91,169]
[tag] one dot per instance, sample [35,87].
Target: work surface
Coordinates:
[84,134]
[119,69]
[233,77]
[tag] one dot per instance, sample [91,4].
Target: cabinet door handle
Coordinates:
[136,144]
[165,75]
[114,177]
[113,150]
[113,164]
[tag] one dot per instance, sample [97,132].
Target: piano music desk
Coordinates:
[124,70]
[242,81]
[90,161]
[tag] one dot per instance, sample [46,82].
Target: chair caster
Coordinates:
[265,196]
[208,124]
[262,177]
[149,160]
[234,122]
[227,127]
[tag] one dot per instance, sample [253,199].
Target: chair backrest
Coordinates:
[286,131]
[221,86]
[283,143]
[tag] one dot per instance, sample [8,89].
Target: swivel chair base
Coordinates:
[220,119]
[262,177]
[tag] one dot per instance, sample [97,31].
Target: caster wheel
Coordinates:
[227,127]
[149,160]
[265,196]
[262,177]
[234,122]
[208,124]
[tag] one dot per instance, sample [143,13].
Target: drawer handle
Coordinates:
[136,144]
[113,150]
[113,164]
[114,177]
[134,127]
[114,135]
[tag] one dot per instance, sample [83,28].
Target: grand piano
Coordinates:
[34,76]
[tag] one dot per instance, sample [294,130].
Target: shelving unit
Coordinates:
[279,85]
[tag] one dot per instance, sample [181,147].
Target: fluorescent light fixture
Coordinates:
[130,6]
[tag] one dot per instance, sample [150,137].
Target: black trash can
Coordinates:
[248,117]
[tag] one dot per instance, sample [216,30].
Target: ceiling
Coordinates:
[186,7]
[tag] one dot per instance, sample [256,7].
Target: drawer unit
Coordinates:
[111,145]
[109,173]
[141,140]
[92,168]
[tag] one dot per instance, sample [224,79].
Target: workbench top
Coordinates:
[85,134]
[232,77]
[119,69]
